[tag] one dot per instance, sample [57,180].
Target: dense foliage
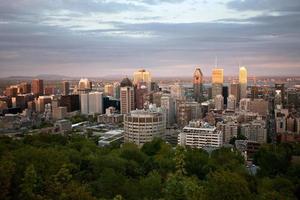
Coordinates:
[73,167]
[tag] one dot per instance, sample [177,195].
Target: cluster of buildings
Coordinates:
[199,115]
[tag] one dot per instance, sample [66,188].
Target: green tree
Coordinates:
[224,185]
[29,184]
[7,170]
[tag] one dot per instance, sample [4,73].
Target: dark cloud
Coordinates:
[265,5]
[266,44]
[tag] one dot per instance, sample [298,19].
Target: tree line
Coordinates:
[56,167]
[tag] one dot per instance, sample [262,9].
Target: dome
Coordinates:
[126,83]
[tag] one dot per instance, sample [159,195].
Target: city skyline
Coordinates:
[101,38]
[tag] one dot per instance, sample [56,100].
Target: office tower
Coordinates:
[219,102]
[71,102]
[117,90]
[225,94]
[41,103]
[280,91]
[243,77]
[231,103]
[84,103]
[66,88]
[109,89]
[84,86]
[187,111]
[142,76]
[168,104]
[91,103]
[141,126]
[200,135]
[140,92]
[24,88]
[235,91]
[95,103]
[254,92]
[37,87]
[217,82]
[126,96]
[177,91]
[198,85]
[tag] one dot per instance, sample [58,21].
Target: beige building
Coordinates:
[127,96]
[142,126]
[243,79]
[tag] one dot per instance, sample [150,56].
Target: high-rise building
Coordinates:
[141,90]
[109,89]
[91,103]
[219,102]
[41,103]
[198,85]
[280,91]
[37,87]
[245,104]
[141,76]
[231,103]
[66,88]
[243,78]
[117,90]
[225,94]
[84,86]
[168,104]
[141,126]
[71,102]
[177,91]
[217,81]
[218,75]
[127,96]
[235,91]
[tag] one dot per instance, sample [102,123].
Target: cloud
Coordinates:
[265,5]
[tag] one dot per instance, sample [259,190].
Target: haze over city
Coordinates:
[170,37]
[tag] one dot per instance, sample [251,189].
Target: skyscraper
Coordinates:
[66,88]
[109,90]
[142,76]
[235,91]
[37,87]
[217,81]
[91,103]
[126,96]
[198,85]
[243,77]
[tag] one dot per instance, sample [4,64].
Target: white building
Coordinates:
[91,103]
[199,135]
[141,126]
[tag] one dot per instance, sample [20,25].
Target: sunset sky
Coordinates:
[167,37]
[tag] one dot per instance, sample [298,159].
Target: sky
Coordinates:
[96,38]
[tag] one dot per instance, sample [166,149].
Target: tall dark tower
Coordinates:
[198,85]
